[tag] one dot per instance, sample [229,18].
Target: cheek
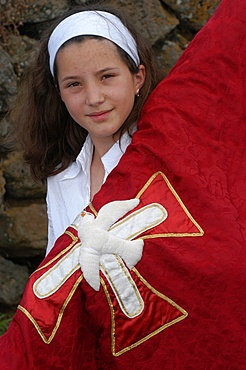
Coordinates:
[128,98]
[124,94]
[71,102]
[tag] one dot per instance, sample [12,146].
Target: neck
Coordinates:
[96,174]
[102,145]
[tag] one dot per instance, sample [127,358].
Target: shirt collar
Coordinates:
[114,154]
[110,159]
[82,161]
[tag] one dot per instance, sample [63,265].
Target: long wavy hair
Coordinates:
[49,137]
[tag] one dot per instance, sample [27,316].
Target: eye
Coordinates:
[107,76]
[74,84]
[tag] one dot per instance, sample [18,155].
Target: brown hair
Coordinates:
[48,135]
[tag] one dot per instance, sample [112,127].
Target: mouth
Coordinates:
[100,116]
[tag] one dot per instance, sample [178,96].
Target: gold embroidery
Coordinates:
[58,322]
[73,237]
[193,234]
[111,314]
[144,188]
[139,211]
[126,272]
[93,209]
[61,282]
[74,241]
[177,235]
[155,332]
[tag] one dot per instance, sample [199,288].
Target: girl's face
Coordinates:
[97,88]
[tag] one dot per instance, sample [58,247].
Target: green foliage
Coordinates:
[4,323]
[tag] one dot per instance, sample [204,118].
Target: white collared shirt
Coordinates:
[68,192]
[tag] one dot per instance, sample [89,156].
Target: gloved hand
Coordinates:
[96,240]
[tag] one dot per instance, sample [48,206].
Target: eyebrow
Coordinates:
[75,77]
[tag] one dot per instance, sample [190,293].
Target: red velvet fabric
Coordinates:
[193,131]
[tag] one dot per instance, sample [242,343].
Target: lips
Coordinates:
[100,116]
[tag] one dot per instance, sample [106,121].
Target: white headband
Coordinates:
[96,23]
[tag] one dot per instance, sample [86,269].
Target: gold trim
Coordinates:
[74,241]
[139,211]
[44,276]
[73,237]
[111,307]
[158,293]
[157,331]
[93,210]
[144,188]
[184,313]
[58,322]
[173,235]
[125,271]
[179,235]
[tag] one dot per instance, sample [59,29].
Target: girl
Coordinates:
[183,305]
[85,91]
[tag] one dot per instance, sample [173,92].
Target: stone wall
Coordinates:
[169,25]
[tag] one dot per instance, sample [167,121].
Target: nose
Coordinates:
[94,94]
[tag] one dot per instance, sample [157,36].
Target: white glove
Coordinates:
[96,240]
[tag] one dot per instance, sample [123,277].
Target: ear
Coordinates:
[139,78]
